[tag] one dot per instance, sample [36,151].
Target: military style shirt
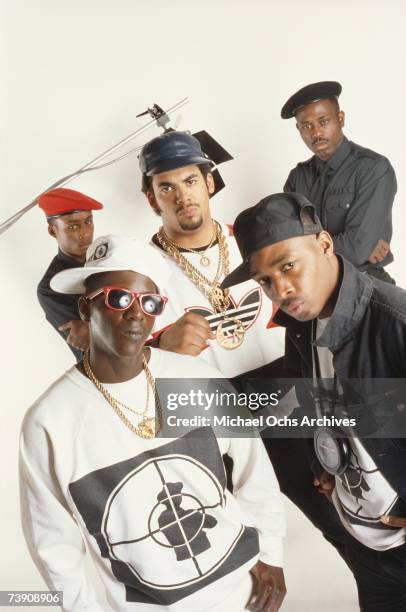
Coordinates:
[353,193]
[59,307]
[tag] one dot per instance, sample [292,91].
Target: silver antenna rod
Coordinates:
[14,218]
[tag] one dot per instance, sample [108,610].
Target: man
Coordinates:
[200,251]
[232,331]
[70,222]
[346,336]
[353,188]
[162,529]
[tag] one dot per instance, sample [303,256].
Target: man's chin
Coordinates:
[190,225]
[302,313]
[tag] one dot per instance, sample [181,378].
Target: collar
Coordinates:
[70,262]
[339,156]
[353,299]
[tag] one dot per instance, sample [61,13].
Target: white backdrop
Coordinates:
[75,74]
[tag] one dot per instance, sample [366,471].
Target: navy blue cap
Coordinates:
[275,218]
[308,94]
[171,150]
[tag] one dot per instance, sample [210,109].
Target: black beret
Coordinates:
[310,93]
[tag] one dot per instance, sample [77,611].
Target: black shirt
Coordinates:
[59,307]
[353,193]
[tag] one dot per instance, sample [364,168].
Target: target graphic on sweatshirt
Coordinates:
[161,519]
[174,526]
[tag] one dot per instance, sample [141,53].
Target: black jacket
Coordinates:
[367,336]
[59,307]
[353,199]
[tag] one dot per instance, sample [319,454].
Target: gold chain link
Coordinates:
[145,429]
[218,298]
[202,254]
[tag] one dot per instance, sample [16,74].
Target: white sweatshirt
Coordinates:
[263,342]
[159,523]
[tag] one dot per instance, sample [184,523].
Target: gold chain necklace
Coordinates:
[230,331]
[204,259]
[148,427]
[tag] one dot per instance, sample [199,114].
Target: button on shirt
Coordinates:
[353,193]
[59,307]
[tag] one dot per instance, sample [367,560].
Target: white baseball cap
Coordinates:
[112,253]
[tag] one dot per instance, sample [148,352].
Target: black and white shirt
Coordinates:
[362,494]
[162,528]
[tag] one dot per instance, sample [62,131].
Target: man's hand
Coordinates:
[78,335]
[268,590]
[393,521]
[188,335]
[380,252]
[325,484]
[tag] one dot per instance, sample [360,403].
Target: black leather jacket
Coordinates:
[367,336]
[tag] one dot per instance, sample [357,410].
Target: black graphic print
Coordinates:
[246,311]
[183,529]
[160,518]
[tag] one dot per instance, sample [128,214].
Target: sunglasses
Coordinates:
[120,299]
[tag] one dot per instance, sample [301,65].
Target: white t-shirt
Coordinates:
[159,523]
[362,494]
[263,340]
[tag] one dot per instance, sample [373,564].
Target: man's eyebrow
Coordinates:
[272,262]
[164,184]
[323,116]
[187,178]
[70,220]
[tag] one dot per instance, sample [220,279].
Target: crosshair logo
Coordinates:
[168,513]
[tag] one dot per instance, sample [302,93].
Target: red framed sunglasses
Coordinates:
[117,298]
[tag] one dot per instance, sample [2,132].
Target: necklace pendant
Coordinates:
[230,333]
[204,261]
[147,428]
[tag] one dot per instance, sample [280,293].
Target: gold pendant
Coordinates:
[204,261]
[234,336]
[148,427]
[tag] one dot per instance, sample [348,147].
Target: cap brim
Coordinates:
[178,162]
[72,280]
[237,276]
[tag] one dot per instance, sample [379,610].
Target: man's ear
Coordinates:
[153,203]
[84,311]
[51,230]
[210,183]
[341,118]
[325,242]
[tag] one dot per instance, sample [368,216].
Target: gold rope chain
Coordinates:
[218,298]
[148,427]
[204,259]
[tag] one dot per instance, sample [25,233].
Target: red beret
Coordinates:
[61,201]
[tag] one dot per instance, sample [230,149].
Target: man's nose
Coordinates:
[134,311]
[316,131]
[281,289]
[181,194]
[85,231]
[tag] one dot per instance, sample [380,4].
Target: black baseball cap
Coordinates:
[175,149]
[308,94]
[171,150]
[275,218]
